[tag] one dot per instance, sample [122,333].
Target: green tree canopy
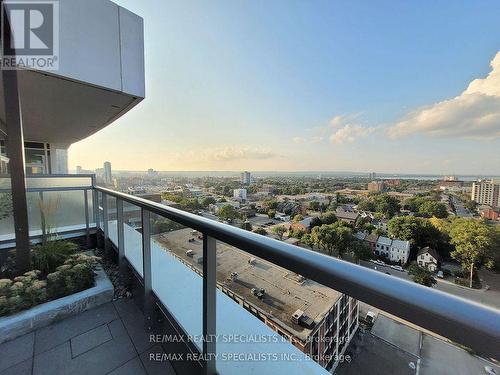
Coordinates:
[207,201]
[328,217]
[260,230]
[228,212]
[421,275]
[298,218]
[472,240]
[279,230]
[419,231]
[381,203]
[332,238]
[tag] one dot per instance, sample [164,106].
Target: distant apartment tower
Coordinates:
[79,169]
[108,177]
[240,194]
[372,175]
[376,186]
[246,178]
[486,192]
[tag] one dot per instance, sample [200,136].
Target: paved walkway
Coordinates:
[109,339]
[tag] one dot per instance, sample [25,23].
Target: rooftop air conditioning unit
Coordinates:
[190,253]
[252,261]
[234,276]
[296,316]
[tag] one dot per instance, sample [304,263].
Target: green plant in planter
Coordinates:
[22,292]
[76,274]
[47,257]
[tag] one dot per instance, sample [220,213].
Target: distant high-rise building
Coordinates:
[79,169]
[246,178]
[240,194]
[152,173]
[486,192]
[372,175]
[108,177]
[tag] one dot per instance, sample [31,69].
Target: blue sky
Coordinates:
[255,85]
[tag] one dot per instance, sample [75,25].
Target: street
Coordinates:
[489,297]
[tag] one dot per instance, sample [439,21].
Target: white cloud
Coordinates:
[349,133]
[474,114]
[240,153]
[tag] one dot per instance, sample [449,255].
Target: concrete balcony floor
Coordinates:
[110,339]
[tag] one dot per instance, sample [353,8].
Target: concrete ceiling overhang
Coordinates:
[59,110]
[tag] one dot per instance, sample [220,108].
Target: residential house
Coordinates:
[399,251]
[383,246]
[371,239]
[347,215]
[428,258]
[303,224]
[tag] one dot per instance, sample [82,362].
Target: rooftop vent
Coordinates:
[297,315]
[252,261]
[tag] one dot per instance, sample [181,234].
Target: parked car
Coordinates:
[440,274]
[397,268]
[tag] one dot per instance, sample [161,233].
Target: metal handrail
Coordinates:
[463,321]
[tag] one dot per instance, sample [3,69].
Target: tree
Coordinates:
[472,240]
[421,275]
[360,250]
[314,206]
[307,240]
[386,205]
[260,230]
[279,230]
[419,231]
[315,222]
[228,212]
[332,238]
[431,208]
[296,233]
[328,217]
[207,201]
[381,203]
[271,214]
[298,218]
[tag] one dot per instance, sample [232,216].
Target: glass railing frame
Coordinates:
[41,190]
[463,321]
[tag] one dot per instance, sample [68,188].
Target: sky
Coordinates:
[295,85]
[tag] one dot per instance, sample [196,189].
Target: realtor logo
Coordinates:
[34,34]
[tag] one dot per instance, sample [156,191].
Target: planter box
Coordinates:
[43,315]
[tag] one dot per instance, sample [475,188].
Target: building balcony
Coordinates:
[185,295]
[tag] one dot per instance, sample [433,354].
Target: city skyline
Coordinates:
[322,87]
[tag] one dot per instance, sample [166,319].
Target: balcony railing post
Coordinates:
[209,303]
[122,266]
[146,264]
[105,222]
[87,218]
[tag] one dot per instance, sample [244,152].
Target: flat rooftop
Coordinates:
[285,291]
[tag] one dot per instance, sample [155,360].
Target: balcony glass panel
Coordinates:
[255,307]
[112,224]
[6,217]
[132,227]
[90,203]
[60,211]
[177,269]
